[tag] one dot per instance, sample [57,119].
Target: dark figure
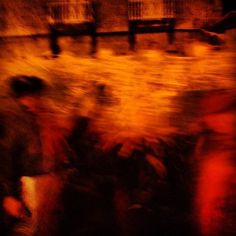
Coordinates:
[116,195]
[179,164]
[88,193]
[39,150]
[20,156]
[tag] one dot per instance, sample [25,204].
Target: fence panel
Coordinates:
[150,9]
[70,12]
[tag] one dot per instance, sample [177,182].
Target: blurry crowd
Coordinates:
[55,179]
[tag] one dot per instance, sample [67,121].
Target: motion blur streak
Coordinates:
[137,99]
[215,189]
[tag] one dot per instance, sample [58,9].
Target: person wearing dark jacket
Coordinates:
[20,156]
[34,147]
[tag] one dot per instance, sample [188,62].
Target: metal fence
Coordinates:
[150,9]
[70,12]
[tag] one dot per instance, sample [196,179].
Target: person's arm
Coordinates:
[8,190]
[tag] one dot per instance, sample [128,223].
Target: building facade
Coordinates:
[114,15]
[28,17]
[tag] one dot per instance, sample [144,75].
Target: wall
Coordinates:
[22,17]
[27,17]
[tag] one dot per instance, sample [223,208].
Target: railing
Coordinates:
[150,9]
[70,12]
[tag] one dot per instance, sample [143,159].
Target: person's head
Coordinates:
[27,90]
